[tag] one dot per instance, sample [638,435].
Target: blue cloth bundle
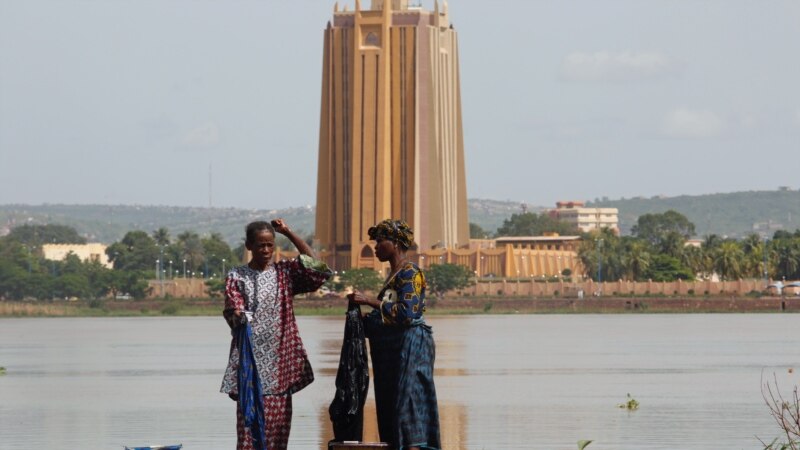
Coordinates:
[251,398]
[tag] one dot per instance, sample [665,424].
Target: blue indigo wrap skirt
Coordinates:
[405,395]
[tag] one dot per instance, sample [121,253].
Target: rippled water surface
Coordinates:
[504,382]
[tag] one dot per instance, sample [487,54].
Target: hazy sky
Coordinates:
[131,101]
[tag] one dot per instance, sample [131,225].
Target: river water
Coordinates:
[504,381]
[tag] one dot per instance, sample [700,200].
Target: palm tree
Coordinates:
[727,260]
[161,236]
[711,242]
[754,252]
[672,243]
[587,253]
[191,249]
[710,247]
[600,249]
[787,257]
[218,253]
[696,260]
[636,260]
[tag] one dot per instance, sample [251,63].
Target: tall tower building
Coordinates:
[391,142]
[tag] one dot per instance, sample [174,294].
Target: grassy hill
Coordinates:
[108,223]
[732,214]
[490,214]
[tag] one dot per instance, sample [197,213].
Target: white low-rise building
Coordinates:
[86,252]
[587,219]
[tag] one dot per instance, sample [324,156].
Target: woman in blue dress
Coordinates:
[401,345]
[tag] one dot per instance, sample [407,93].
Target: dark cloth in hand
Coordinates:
[352,381]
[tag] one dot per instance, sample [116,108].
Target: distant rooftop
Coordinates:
[505,239]
[569,204]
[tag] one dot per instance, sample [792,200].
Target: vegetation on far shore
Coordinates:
[659,250]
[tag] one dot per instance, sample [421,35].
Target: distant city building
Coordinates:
[539,256]
[767,228]
[391,141]
[552,241]
[693,243]
[586,219]
[86,252]
[520,257]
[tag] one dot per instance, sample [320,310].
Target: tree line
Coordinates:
[660,248]
[439,278]
[136,258]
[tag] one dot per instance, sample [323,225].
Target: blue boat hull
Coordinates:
[157,447]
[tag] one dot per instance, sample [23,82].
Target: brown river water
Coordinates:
[504,381]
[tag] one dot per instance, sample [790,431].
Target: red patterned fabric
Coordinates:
[234,301]
[281,358]
[277,424]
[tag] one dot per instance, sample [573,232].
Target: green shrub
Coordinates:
[170,310]
[96,304]
[442,278]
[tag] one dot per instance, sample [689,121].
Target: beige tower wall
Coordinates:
[391,141]
[449,224]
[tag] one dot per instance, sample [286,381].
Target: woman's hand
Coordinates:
[302,246]
[280,226]
[361,299]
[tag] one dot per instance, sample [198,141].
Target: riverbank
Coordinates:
[448,305]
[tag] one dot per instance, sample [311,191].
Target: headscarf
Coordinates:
[394,230]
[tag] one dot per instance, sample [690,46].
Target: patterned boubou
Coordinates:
[403,296]
[281,359]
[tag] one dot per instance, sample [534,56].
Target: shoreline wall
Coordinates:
[531,288]
[534,288]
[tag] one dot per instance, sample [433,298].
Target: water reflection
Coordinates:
[503,382]
[452,414]
[452,418]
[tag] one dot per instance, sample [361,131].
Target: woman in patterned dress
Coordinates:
[401,345]
[259,294]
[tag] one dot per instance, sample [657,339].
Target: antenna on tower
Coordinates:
[209,185]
